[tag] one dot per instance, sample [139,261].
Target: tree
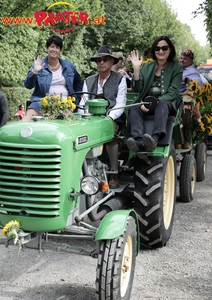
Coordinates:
[125,25]
[206,8]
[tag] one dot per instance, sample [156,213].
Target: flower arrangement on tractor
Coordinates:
[202,96]
[53,107]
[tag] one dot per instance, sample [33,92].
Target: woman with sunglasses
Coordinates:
[160,78]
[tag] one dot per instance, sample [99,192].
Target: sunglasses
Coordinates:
[104,59]
[163,48]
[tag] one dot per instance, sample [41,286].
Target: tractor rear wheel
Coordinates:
[201,158]
[155,198]
[187,181]
[116,265]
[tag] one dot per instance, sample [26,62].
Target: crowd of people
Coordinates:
[164,78]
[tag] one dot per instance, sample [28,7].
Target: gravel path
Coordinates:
[181,270]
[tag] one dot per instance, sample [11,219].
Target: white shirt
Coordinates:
[58,84]
[121,98]
[204,80]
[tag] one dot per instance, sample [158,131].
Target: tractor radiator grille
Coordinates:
[30,180]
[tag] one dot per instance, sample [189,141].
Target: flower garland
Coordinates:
[11,230]
[53,107]
[147,60]
[203,100]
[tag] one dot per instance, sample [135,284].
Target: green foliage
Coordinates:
[17,52]
[15,97]
[206,8]
[129,25]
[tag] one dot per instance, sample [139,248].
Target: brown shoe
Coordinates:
[178,146]
[114,182]
[186,146]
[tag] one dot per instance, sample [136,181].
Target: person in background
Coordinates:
[111,86]
[190,73]
[3,108]
[127,72]
[20,113]
[51,75]
[160,78]
[189,70]
[119,64]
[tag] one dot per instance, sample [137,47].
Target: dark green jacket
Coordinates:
[171,79]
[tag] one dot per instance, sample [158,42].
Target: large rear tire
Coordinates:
[155,198]
[201,158]
[116,265]
[187,181]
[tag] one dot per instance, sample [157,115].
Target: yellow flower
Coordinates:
[202,126]
[11,230]
[45,102]
[71,99]
[194,86]
[53,107]
[203,99]
[147,60]
[6,231]
[73,106]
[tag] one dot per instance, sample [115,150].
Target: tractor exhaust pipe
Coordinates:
[116,203]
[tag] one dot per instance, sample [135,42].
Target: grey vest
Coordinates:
[110,88]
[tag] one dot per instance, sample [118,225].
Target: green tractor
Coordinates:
[54,181]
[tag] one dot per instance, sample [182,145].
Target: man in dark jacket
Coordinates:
[112,87]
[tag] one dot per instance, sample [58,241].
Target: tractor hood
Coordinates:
[81,132]
[41,165]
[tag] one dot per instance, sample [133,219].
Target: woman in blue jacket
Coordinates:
[51,75]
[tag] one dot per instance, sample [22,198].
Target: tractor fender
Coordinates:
[113,225]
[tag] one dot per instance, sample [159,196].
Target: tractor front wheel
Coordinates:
[116,264]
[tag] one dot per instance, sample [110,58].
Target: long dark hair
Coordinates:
[169,42]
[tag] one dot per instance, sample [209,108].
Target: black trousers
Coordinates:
[136,119]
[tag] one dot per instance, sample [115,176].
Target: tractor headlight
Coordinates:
[90,185]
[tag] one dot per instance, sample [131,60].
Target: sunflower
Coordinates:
[147,60]
[203,100]
[11,231]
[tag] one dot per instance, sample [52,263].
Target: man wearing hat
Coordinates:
[111,86]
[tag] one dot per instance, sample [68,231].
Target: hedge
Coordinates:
[16,96]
